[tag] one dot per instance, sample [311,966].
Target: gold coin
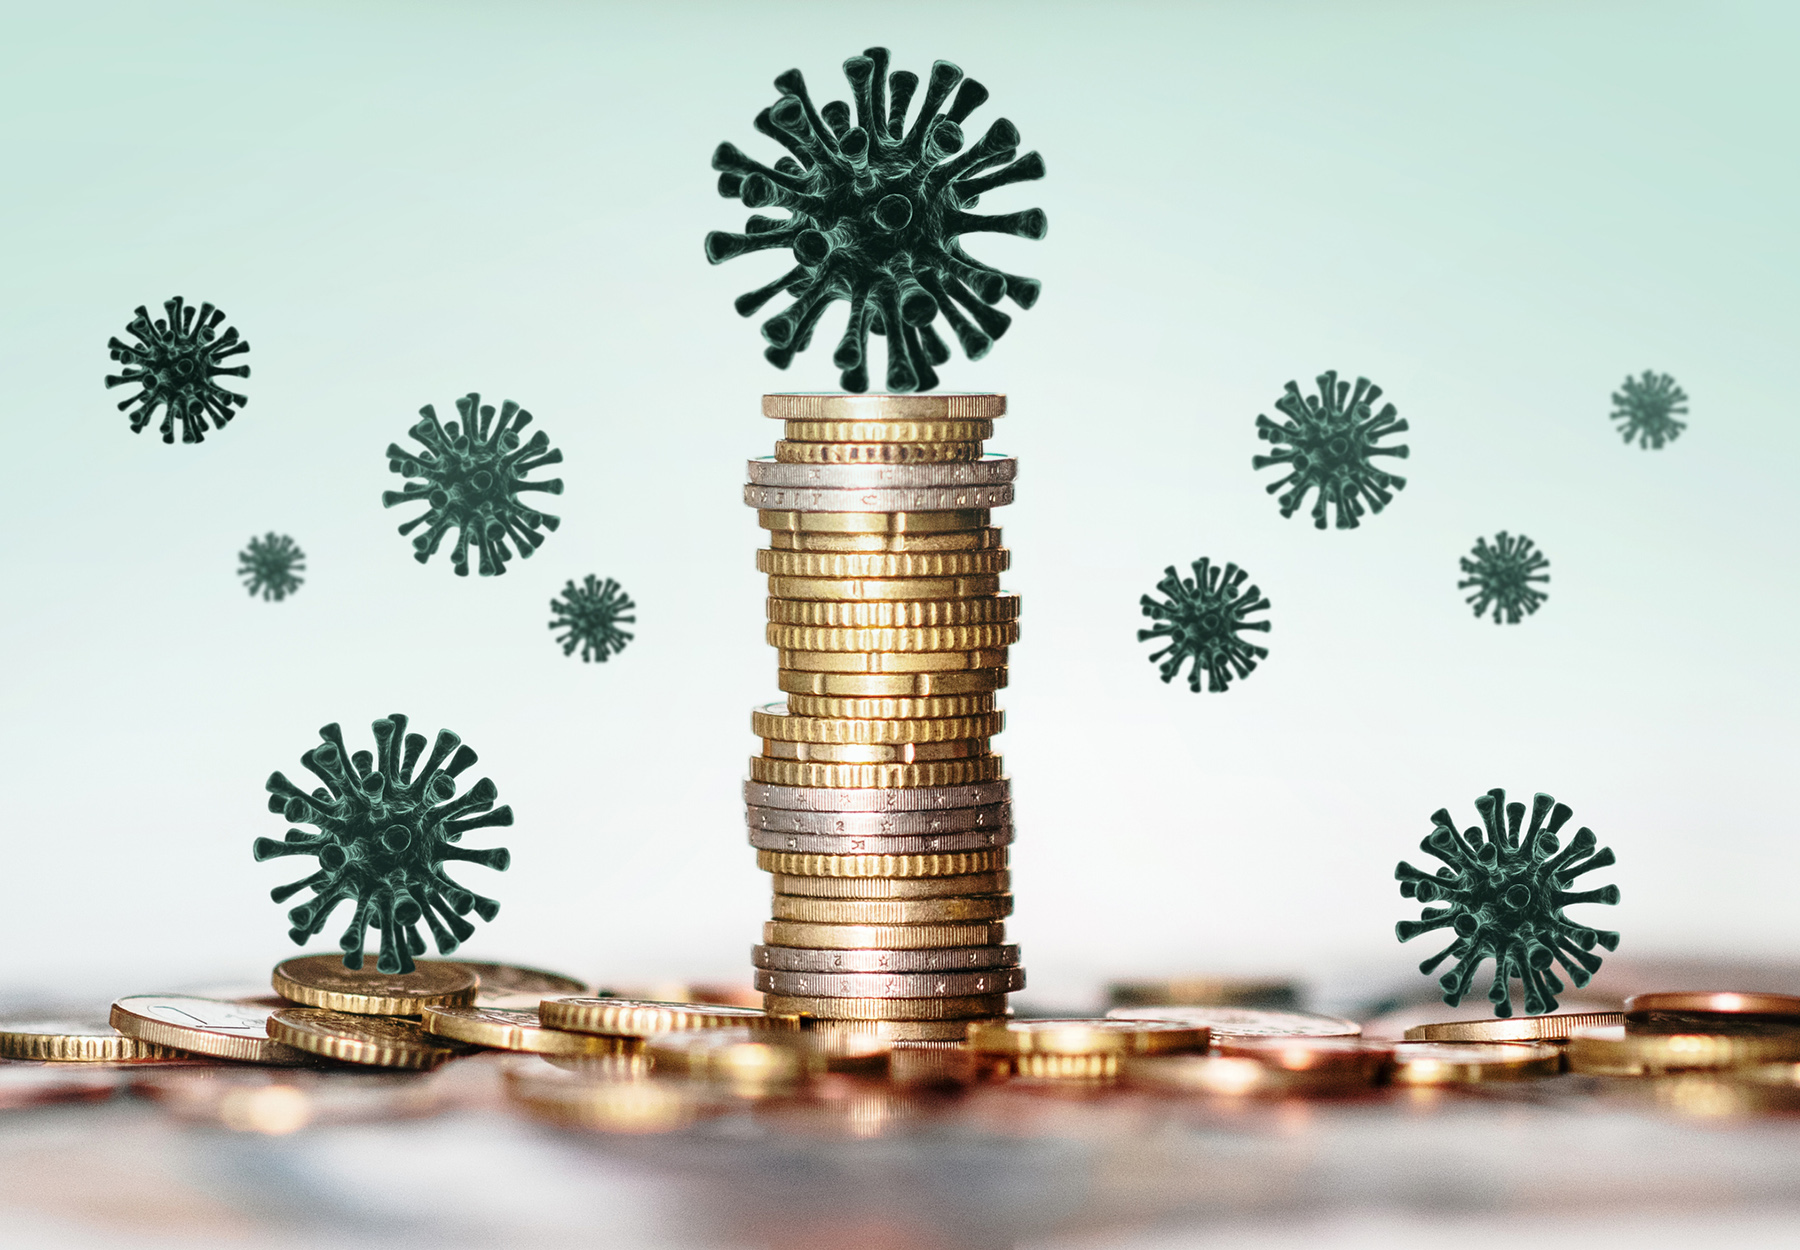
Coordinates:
[956,540]
[517,988]
[75,1041]
[833,406]
[874,522]
[1621,1050]
[949,864]
[876,776]
[921,708]
[1470,1063]
[895,753]
[323,981]
[894,613]
[788,451]
[374,1041]
[1062,1067]
[888,431]
[1236,1077]
[887,685]
[773,721]
[1556,1027]
[202,1026]
[1207,991]
[1711,1003]
[891,661]
[630,1017]
[505,1028]
[1086,1037]
[999,882]
[889,911]
[883,589]
[962,1007]
[881,937]
[844,564]
[940,638]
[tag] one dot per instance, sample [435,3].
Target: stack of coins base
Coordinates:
[876,802]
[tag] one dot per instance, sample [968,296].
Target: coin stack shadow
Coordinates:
[876,802]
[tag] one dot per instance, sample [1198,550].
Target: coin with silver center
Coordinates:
[821,844]
[993,469]
[912,799]
[908,499]
[995,816]
[939,959]
[891,984]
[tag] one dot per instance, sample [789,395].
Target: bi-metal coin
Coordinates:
[992,469]
[994,816]
[920,799]
[204,1026]
[1243,1022]
[891,985]
[942,959]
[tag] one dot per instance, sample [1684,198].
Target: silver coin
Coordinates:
[918,799]
[941,959]
[879,824]
[925,844]
[891,984]
[1245,1022]
[907,499]
[991,470]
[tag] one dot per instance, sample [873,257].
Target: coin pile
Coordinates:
[876,801]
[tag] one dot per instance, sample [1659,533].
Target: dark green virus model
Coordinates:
[1328,444]
[472,479]
[592,613]
[1502,577]
[383,836]
[271,566]
[1504,897]
[1645,407]
[875,214]
[1201,619]
[174,363]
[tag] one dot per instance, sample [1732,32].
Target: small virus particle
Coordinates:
[591,613]
[472,479]
[1329,444]
[1645,407]
[175,362]
[1201,618]
[1504,900]
[875,214]
[1501,576]
[271,566]
[383,836]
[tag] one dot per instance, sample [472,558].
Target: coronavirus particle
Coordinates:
[1503,897]
[1645,408]
[591,613]
[472,479]
[1201,618]
[383,836]
[876,210]
[271,566]
[1328,444]
[174,363]
[1502,575]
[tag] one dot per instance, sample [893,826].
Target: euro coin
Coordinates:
[873,522]
[75,1041]
[891,661]
[774,721]
[961,1007]
[889,911]
[941,959]
[1243,1022]
[625,1017]
[323,981]
[884,589]
[956,540]
[790,451]
[941,1031]
[203,1026]
[928,844]
[1205,991]
[1556,1027]
[374,1041]
[895,614]
[940,638]
[1711,1002]
[834,406]
[887,430]
[900,707]
[1621,1050]
[893,887]
[882,936]
[908,499]
[991,817]
[891,984]
[932,798]
[1233,1076]
[991,469]
[935,864]
[515,1029]
[882,564]
[897,753]
[899,776]
[1086,1037]
[1365,1060]
[1471,1063]
[887,685]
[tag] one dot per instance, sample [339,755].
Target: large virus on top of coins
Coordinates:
[1503,897]
[1200,620]
[472,479]
[876,209]
[174,363]
[383,836]
[1328,444]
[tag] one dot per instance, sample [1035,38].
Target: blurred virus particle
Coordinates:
[876,211]
[174,363]
[592,613]
[1504,900]
[1201,618]
[1502,577]
[271,566]
[1328,444]
[1645,407]
[473,476]
[383,837]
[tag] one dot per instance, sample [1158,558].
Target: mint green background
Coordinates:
[1496,211]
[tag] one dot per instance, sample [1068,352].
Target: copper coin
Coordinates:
[1714,1002]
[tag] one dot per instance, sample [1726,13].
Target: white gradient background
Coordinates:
[1495,210]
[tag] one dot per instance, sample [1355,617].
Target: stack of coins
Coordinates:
[876,801]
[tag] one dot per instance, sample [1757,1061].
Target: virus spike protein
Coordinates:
[1201,618]
[383,835]
[591,613]
[472,479]
[1646,406]
[1504,897]
[1502,576]
[1327,444]
[271,565]
[876,212]
[174,363]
